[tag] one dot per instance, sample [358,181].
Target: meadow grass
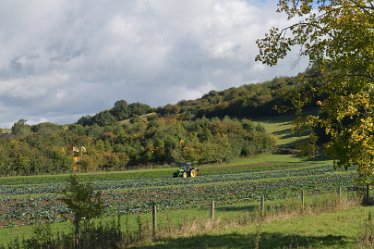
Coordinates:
[330,229]
[171,220]
[280,128]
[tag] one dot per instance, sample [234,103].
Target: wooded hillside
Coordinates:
[275,97]
[213,128]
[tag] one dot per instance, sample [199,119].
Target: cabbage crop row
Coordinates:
[138,196]
[28,189]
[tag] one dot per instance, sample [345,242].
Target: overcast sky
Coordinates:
[62,59]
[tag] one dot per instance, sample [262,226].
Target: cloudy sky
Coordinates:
[61,59]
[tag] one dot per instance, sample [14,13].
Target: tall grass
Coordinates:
[366,236]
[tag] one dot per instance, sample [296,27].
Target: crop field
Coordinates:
[23,202]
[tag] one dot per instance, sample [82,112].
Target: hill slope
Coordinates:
[213,128]
[247,101]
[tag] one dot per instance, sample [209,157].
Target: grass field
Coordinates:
[281,128]
[238,217]
[233,228]
[338,229]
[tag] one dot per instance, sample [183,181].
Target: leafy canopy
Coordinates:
[338,38]
[82,199]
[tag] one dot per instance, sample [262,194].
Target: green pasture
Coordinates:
[281,128]
[338,229]
[319,229]
[175,219]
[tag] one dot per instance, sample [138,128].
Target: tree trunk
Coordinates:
[77,220]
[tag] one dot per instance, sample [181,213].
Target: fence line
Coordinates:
[262,205]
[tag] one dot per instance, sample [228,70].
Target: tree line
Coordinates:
[47,147]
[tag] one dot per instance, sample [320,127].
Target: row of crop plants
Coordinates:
[28,189]
[48,208]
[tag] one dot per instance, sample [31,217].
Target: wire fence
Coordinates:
[305,202]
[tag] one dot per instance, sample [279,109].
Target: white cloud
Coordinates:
[61,59]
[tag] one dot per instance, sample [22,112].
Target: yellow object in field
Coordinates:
[193,173]
[76,159]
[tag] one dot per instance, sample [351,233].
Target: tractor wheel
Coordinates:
[184,175]
[193,173]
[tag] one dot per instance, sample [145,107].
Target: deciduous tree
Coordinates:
[338,38]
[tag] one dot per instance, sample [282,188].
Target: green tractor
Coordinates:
[186,170]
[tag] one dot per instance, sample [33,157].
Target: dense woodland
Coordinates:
[47,148]
[214,128]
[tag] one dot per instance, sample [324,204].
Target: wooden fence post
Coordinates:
[303,199]
[154,221]
[262,205]
[340,192]
[212,212]
[367,199]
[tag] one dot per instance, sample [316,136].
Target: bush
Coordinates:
[99,236]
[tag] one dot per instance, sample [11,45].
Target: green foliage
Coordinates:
[47,148]
[82,200]
[20,128]
[120,111]
[101,236]
[247,101]
[338,38]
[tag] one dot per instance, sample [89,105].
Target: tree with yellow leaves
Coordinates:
[338,38]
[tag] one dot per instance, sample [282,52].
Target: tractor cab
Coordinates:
[186,170]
